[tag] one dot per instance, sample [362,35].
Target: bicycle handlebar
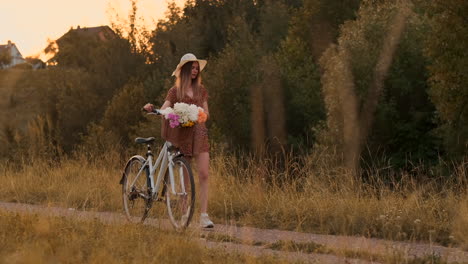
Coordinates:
[154,112]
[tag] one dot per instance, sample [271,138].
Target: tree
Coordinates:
[5,58]
[317,22]
[120,121]
[313,26]
[110,58]
[230,90]
[446,48]
[300,78]
[351,93]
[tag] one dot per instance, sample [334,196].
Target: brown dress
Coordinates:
[189,140]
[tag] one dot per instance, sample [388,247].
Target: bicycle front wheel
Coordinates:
[180,193]
[136,194]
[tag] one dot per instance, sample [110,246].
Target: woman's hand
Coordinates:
[148,108]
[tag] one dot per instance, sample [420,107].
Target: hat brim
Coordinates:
[202,64]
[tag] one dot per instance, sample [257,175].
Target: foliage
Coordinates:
[274,24]
[38,63]
[317,22]
[303,98]
[404,115]
[263,57]
[404,124]
[448,68]
[47,106]
[5,57]
[120,120]
[111,62]
[229,89]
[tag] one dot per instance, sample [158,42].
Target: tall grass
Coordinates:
[82,183]
[40,239]
[299,193]
[316,198]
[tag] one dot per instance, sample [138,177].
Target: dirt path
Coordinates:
[257,242]
[348,243]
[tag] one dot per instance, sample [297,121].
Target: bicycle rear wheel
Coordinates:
[180,194]
[136,195]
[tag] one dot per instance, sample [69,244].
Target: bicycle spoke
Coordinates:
[180,194]
[135,199]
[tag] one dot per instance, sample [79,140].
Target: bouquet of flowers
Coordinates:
[184,115]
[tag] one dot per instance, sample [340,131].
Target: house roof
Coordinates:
[9,46]
[103,33]
[4,47]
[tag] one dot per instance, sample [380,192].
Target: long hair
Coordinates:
[185,80]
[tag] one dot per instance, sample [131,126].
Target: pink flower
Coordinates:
[173,116]
[173,120]
[173,123]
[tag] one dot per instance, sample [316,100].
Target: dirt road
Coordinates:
[308,248]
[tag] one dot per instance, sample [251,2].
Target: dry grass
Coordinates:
[317,198]
[308,195]
[390,258]
[76,183]
[40,239]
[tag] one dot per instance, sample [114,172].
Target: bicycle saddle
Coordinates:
[140,140]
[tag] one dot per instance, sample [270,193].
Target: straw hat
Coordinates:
[186,58]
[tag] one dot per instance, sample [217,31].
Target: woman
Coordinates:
[193,141]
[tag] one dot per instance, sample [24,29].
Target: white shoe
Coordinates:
[205,221]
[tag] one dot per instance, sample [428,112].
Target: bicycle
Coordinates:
[174,184]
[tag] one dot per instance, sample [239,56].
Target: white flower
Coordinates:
[166,111]
[185,112]
[181,108]
[193,112]
[183,119]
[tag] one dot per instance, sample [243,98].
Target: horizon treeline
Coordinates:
[373,82]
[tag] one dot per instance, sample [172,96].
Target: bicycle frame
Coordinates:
[165,158]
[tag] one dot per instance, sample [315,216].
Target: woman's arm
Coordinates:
[150,107]
[166,105]
[205,108]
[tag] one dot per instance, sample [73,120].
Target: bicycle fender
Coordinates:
[142,160]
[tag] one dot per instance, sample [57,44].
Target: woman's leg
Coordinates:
[203,163]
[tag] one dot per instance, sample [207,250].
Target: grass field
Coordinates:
[309,197]
[39,239]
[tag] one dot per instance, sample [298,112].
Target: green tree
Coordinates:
[317,22]
[112,62]
[120,121]
[300,77]
[446,48]
[352,95]
[5,58]
[313,26]
[229,79]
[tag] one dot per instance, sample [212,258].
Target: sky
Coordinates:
[30,23]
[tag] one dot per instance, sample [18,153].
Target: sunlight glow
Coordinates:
[30,23]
